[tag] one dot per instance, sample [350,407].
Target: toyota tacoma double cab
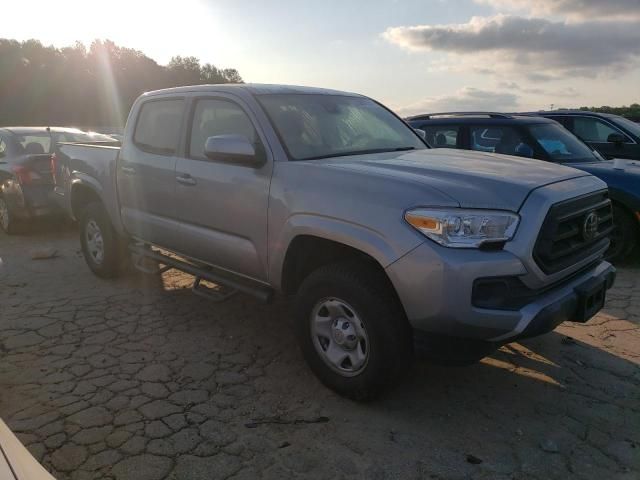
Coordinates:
[329,197]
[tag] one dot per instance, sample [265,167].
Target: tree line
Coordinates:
[632,111]
[44,85]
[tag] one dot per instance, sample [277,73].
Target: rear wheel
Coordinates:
[103,250]
[624,236]
[352,330]
[8,221]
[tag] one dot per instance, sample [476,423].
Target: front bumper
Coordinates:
[435,286]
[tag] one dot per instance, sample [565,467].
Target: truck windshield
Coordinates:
[314,126]
[561,145]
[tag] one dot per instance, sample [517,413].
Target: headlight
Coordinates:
[458,228]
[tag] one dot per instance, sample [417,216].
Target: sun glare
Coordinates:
[160,29]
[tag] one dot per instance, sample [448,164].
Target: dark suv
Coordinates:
[612,135]
[528,136]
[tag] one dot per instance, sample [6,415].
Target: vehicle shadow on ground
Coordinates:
[554,362]
[546,370]
[46,226]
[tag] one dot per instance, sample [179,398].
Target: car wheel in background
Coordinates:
[352,330]
[8,222]
[103,250]
[624,236]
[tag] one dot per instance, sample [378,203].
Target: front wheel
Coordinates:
[352,331]
[624,236]
[101,246]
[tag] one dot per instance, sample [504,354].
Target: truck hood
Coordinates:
[472,179]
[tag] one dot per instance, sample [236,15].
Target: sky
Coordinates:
[415,56]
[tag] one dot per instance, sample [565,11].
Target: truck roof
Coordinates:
[253,89]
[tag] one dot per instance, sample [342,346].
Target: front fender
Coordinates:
[357,236]
[626,197]
[81,179]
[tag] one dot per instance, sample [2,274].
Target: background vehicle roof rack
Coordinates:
[461,114]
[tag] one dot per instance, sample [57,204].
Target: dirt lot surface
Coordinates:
[139,379]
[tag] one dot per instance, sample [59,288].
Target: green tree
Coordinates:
[94,86]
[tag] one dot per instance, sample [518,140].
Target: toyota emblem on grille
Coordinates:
[590,226]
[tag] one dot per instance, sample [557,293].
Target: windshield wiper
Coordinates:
[360,152]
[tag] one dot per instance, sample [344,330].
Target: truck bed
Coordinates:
[89,163]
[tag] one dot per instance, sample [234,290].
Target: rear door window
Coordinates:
[158,127]
[441,136]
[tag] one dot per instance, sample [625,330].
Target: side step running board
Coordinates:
[224,279]
[148,265]
[215,295]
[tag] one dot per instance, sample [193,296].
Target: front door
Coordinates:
[596,132]
[223,206]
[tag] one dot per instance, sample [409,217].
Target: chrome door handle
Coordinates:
[128,170]
[186,179]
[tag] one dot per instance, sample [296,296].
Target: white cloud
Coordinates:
[535,48]
[573,9]
[466,99]
[566,92]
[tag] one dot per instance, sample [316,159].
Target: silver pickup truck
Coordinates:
[329,196]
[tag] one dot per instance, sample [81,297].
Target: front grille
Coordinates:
[573,230]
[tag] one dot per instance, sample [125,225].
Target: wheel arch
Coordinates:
[83,192]
[633,214]
[307,253]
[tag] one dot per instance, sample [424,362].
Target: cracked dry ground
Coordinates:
[139,379]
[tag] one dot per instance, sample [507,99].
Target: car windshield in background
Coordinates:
[633,127]
[321,126]
[561,145]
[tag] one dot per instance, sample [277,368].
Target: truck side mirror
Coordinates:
[616,138]
[233,149]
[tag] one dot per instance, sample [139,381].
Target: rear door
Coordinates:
[223,206]
[146,171]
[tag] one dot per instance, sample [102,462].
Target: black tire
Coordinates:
[368,292]
[113,251]
[8,222]
[624,236]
